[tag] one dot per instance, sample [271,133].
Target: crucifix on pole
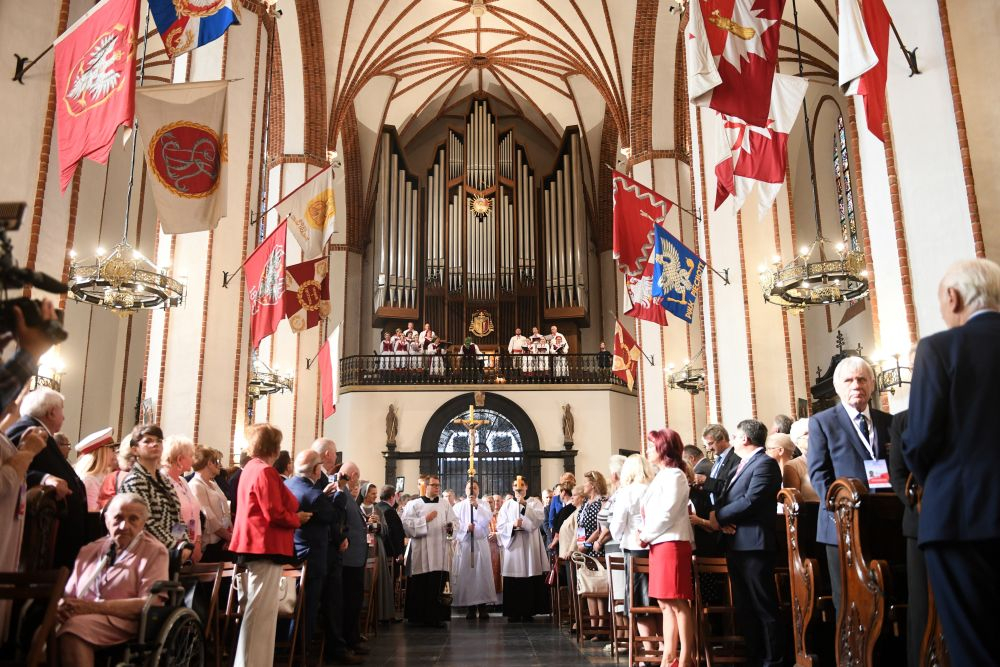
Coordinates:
[472,425]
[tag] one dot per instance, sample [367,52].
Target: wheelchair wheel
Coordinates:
[180,641]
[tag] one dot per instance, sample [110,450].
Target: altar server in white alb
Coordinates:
[429,524]
[525,562]
[558,348]
[472,569]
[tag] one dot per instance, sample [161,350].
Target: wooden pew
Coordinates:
[871,548]
[809,584]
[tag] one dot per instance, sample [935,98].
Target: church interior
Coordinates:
[482,156]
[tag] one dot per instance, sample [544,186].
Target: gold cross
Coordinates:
[472,424]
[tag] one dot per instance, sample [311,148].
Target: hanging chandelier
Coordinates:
[124,281]
[815,276]
[690,378]
[265,381]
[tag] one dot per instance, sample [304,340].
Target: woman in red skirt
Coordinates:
[667,529]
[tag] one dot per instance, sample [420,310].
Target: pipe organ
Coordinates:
[482,235]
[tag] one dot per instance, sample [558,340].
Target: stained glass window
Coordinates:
[845,191]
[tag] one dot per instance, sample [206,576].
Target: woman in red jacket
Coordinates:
[263,539]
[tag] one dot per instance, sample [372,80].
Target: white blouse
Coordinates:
[626,516]
[665,511]
[215,505]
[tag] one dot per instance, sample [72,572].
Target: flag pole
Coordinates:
[135,128]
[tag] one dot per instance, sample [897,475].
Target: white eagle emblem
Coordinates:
[99,78]
[673,277]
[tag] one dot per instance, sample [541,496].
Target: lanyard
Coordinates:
[107,559]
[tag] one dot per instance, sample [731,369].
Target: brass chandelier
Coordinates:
[123,280]
[265,381]
[815,276]
[690,378]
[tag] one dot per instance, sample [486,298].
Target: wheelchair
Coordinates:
[172,634]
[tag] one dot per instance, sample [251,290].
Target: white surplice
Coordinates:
[524,548]
[472,584]
[430,549]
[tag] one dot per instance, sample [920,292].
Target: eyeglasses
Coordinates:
[434,484]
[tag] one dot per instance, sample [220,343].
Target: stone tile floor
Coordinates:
[494,642]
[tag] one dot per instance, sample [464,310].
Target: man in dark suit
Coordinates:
[916,570]
[841,439]
[312,539]
[716,440]
[746,514]
[396,538]
[333,591]
[951,446]
[44,408]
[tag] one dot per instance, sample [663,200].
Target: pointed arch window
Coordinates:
[845,189]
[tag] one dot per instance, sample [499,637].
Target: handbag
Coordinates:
[287,594]
[591,576]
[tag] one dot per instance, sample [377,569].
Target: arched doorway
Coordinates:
[505,448]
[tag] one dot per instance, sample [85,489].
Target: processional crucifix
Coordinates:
[472,424]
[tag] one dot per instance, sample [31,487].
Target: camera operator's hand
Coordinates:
[34,341]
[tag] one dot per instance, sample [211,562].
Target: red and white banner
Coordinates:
[757,157]
[329,373]
[265,277]
[636,209]
[311,212]
[864,50]
[732,55]
[95,83]
[184,128]
[625,364]
[639,299]
[307,293]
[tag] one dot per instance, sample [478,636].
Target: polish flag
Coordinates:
[264,271]
[642,305]
[732,55]
[329,372]
[757,157]
[95,83]
[864,50]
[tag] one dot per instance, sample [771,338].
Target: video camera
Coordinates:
[13,277]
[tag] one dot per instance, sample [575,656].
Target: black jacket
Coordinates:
[899,472]
[50,461]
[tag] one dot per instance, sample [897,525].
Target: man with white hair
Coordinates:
[43,409]
[327,449]
[841,439]
[950,446]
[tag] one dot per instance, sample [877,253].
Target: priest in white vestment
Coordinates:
[472,568]
[525,561]
[428,523]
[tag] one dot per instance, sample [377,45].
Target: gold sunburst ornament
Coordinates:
[480,207]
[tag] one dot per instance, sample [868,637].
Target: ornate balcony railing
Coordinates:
[485,369]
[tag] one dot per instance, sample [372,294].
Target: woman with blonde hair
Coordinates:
[178,455]
[626,522]
[92,468]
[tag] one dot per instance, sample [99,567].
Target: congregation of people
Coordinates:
[127,505]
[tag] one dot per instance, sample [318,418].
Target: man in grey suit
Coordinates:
[841,439]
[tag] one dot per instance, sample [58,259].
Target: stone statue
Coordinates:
[567,423]
[391,425]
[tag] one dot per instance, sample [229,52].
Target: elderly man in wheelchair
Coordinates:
[117,585]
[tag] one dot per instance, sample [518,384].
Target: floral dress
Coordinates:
[588,521]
